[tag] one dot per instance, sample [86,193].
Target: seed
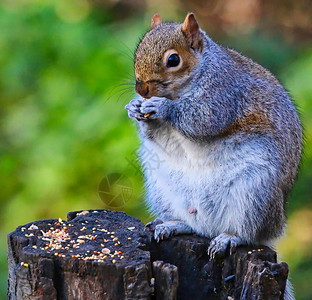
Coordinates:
[106,251]
[33,227]
[83,213]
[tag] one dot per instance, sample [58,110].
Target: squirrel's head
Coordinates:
[165,57]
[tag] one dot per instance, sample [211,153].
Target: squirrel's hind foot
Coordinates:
[220,244]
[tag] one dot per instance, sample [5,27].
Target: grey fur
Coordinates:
[237,178]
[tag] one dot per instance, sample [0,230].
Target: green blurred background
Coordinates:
[66,72]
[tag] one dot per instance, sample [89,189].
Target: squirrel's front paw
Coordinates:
[150,226]
[133,108]
[155,108]
[166,229]
[219,245]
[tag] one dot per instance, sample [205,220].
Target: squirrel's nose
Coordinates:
[143,89]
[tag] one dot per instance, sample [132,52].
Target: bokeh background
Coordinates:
[66,72]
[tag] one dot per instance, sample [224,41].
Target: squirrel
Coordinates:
[226,132]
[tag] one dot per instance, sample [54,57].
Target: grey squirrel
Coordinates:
[237,138]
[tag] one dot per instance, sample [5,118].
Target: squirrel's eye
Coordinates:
[173,60]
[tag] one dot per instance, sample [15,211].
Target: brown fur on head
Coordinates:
[154,76]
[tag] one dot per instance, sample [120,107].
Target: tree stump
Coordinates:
[108,255]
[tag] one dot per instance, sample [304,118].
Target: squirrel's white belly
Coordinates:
[190,184]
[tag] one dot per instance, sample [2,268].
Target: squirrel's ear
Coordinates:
[156,20]
[190,29]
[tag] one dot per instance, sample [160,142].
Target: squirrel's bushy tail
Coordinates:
[289,291]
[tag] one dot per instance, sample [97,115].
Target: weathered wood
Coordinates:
[37,273]
[249,273]
[166,280]
[74,263]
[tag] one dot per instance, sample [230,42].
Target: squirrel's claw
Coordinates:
[155,108]
[137,116]
[164,231]
[133,108]
[149,111]
[219,245]
[152,225]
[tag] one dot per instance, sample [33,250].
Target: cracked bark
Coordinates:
[178,268]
